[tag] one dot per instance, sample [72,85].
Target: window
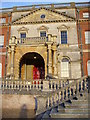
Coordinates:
[87,37]
[2,20]
[43,16]
[88,67]
[23,35]
[63,37]
[65,68]
[1,40]
[43,34]
[86,15]
[0,70]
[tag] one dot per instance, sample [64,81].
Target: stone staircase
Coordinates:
[77,104]
[78,107]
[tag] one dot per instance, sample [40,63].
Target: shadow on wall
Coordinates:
[23,112]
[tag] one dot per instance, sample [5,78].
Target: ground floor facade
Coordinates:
[38,60]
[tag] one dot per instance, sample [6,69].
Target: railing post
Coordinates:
[45,85]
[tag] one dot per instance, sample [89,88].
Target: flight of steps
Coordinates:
[78,107]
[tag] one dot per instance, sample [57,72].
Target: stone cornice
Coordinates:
[38,22]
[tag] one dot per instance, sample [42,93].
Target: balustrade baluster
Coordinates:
[70,91]
[27,85]
[36,84]
[66,93]
[12,85]
[81,85]
[59,96]
[77,87]
[51,101]
[48,102]
[40,85]
[0,84]
[30,85]
[54,85]
[51,85]
[3,85]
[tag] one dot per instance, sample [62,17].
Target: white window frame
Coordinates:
[87,37]
[1,40]
[0,70]
[88,67]
[86,15]
[65,71]
[2,20]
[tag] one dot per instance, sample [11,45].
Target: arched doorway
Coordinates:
[32,66]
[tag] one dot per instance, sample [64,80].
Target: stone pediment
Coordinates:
[48,15]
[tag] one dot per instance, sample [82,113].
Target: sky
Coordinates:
[11,3]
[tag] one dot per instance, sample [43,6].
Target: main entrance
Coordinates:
[32,66]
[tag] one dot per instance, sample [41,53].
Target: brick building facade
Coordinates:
[83,15]
[53,34]
[5,18]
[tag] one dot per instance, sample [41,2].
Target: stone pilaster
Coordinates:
[12,61]
[54,38]
[55,62]
[9,61]
[49,59]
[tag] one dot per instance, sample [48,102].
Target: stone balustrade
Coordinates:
[46,102]
[29,40]
[39,84]
[21,85]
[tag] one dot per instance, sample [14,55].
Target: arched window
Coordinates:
[0,70]
[65,67]
[88,67]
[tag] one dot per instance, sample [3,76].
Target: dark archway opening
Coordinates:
[32,66]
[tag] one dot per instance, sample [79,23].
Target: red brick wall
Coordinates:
[84,26]
[3,31]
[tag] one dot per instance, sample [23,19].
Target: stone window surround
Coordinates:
[59,63]
[62,28]
[22,30]
[42,28]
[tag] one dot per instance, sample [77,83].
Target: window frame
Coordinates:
[65,71]
[3,41]
[22,33]
[1,20]
[63,37]
[43,16]
[87,39]
[1,70]
[42,32]
[87,15]
[88,62]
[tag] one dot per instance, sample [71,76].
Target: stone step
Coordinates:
[79,101]
[61,109]
[54,110]
[76,110]
[83,96]
[75,105]
[68,115]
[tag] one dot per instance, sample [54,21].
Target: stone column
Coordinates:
[9,60]
[49,37]
[54,38]
[50,59]
[55,62]
[12,61]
